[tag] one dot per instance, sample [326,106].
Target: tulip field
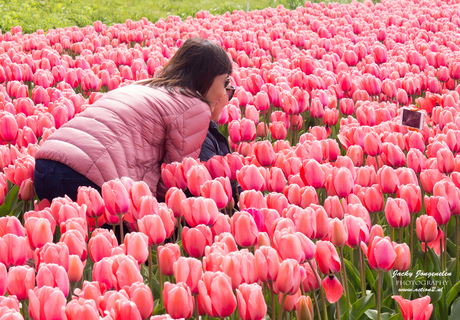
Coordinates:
[341,212]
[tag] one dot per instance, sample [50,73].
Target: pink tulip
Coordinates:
[196,176]
[288,280]
[38,232]
[429,178]
[188,271]
[13,250]
[196,239]
[438,208]
[168,255]
[3,279]
[412,195]
[173,200]
[304,308]
[199,211]
[357,231]
[253,178]
[216,294]
[264,153]
[53,276]
[76,267]
[267,263]
[380,253]
[417,309]
[101,244]
[75,241]
[251,302]
[79,308]
[387,179]
[136,244]
[8,128]
[141,295]
[244,229]
[153,227]
[124,309]
[397,213]
[178,300]
[20,280]
[116,197]
[41,298]
[93,201]
[403,257]
[173,175]
[426,228]
[312,174]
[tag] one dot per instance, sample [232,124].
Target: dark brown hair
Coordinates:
[193,68]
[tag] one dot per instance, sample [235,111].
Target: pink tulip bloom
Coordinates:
[141,295]
[244,229]
[41,300]
[153,227]
[168,255]
[196,239]
[397,213]
[20,280]
[426,228]
[81,308]
[251,302]
[289,276]
[199,211]
[438,208]
[13,250]
[417,309]
[188,271]
[216,294]
[53,276]
[136,244]
[380,253]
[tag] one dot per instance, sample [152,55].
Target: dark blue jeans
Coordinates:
[54,179]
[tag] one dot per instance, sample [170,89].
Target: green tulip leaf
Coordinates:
[455,310]
[352,274]
[435,260]
[361,305]
[10,201]
[397,316]
[453,293]
[372,314]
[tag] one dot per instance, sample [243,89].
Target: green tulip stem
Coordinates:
[282,306]
[361,269]
[160,275]
[273,300]
[150,268]
[424,264]
[318,280]
[412,218]
[344,269]
[23,309]
[316,303]
[457,218]
[97,222]
[179,224]
[122,236]
[197,312]
[337,310]
[399,236]
[379,285]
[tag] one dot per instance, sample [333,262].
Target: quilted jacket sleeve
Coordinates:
[184,136]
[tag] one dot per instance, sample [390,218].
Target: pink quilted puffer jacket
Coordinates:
[130,132]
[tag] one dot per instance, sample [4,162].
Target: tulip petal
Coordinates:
[333,288]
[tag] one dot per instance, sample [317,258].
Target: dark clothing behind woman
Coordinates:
[216,144]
